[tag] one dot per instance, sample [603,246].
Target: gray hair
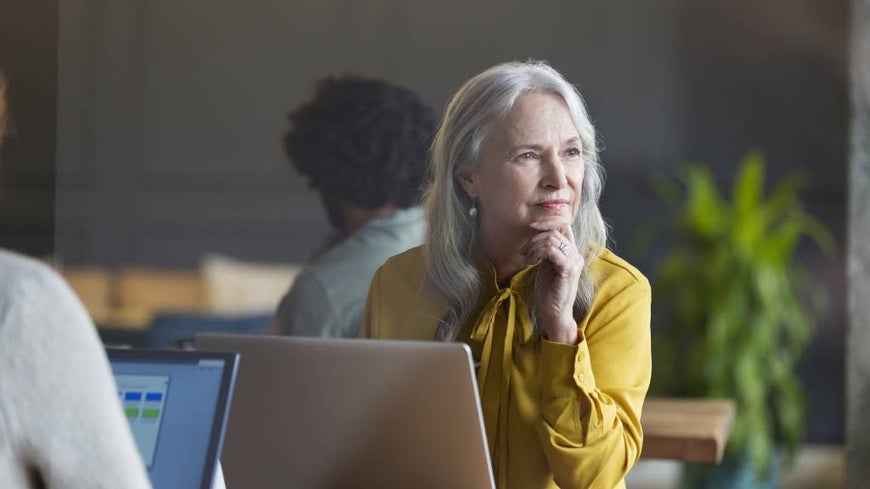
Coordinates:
[476,108]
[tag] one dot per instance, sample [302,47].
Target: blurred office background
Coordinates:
[147,134]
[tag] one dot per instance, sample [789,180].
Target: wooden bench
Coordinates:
[688,430]
[128,297]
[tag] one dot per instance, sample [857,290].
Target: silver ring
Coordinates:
[562,246]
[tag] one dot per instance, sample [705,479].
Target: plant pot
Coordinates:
[735,472]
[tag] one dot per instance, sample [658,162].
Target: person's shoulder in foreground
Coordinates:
[61,424]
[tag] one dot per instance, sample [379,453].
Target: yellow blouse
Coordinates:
[556,415]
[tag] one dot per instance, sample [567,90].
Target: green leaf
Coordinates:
[704,207]
[749,183]
[783,199]
[817,231]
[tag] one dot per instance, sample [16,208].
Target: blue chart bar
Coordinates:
[154,397]
[133,396]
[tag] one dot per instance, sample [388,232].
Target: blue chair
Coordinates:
[178,330]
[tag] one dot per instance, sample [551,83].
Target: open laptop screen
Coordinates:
[176,403]
[330,413]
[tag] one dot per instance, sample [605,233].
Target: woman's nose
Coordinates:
[554,173]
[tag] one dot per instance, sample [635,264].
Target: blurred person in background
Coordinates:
[515,264]
[61,422]
[362,144]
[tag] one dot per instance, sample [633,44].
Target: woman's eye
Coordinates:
[528,155]
[573,152]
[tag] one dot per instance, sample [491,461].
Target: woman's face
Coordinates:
[531,168]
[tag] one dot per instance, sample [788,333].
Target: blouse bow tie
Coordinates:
[483,331]
[486,322]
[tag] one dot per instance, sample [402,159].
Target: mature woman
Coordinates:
[61,424]
[515,265]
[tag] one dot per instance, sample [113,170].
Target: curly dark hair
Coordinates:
[363,141]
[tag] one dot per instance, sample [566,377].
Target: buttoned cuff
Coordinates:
[566,367]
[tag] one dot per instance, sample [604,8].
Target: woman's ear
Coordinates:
[468,180]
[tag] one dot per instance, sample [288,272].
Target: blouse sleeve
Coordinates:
[593,393]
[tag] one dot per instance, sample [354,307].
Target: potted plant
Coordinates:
[736,311]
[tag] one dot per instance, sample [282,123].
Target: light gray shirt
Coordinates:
[329,295]
[60,416]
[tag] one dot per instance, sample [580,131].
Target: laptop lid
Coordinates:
[177,404]
[329,413]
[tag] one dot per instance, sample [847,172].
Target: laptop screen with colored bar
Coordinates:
[177,404]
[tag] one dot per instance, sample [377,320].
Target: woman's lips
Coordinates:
[552,204]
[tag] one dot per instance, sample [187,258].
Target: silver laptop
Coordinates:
[328,413]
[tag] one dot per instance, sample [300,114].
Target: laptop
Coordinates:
[177,404]
[330,413]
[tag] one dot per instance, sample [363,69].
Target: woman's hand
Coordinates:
[557,278]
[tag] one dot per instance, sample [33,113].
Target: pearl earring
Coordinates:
[472,211]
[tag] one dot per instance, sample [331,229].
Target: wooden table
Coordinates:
[689,430]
